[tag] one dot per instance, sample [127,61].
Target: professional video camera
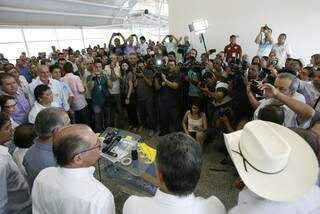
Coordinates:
[191,64]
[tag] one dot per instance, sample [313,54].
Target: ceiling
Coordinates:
[64,12]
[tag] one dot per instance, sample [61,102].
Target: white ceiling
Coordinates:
[64,12]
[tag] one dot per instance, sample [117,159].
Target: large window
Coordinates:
[13,41]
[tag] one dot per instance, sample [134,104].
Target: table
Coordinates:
[139,174]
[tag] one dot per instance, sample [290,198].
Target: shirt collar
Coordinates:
[77,172]
[42,146]
[174,200]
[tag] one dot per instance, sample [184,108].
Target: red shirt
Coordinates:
[232,51]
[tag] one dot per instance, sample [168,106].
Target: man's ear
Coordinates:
[77,160]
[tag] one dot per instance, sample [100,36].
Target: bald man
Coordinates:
[71,187]
[56,87]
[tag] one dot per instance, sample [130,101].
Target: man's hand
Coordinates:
[163,76]
[269,90]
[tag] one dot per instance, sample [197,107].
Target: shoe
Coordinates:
[140,129]
[151,133]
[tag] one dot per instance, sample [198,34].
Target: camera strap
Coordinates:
[316,103]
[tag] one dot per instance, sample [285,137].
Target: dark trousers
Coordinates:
[146,112]
[101,117]
[131,109]
[169,115]
[83,116]
[116,111]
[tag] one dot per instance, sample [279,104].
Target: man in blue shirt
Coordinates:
[40,155]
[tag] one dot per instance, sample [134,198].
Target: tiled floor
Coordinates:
[216,179]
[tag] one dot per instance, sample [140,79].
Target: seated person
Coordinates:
[23,139]
[194,122]
[44,99]
[14,194]
[8,106]
[72,187]
[39,155]
[178,169]
[271,160]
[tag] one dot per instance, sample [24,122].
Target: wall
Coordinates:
[297,18]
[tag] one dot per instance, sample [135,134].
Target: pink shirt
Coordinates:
[79,101]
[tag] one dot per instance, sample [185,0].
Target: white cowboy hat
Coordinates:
[273,161]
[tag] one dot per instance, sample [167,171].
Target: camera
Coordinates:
[191,65]
[93,78]
[226,112]
[254,88]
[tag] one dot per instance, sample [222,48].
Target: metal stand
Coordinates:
[204,44]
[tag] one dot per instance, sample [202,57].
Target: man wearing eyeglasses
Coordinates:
[71,187]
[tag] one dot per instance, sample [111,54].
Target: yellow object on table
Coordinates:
[148,151]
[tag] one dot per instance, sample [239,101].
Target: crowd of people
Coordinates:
[263,114]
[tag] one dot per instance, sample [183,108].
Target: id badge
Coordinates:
[233,54]
[100,87]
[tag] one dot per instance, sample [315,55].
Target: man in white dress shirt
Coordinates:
[178,168]
[71,187]
[282,50]
[56,87]
[14,190]
[278,168]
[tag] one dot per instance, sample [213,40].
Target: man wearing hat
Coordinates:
[278,168]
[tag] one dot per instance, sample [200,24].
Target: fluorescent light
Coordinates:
[200,26]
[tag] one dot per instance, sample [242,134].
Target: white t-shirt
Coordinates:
[290,117]
[163,203]
[115,84]
[37,107]
[143,49]
[282,52]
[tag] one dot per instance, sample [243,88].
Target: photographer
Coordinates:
[264,40]
[168,86]
[170,46]
[117,48]
[145,101]
[283,93]
[129,47]
[184,46]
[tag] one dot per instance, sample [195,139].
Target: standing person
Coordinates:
[8,107]
[171,45]
[44,99]
[264,40]
[169,88]
[178,169]
[56,87]
[39,155]
[233,51]
[145,98]
[129,98]
[9,86]
[98,84]
[79,104]
[14,194]
[113,71]
[72,187]
[143,46]
[282,50]
[271,160]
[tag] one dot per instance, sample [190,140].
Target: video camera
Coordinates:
[191,65]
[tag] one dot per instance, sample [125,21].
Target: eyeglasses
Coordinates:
[98,145]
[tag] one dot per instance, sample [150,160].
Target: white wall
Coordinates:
[298,18]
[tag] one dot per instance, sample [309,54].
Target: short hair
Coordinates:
[40,90]
[61,59]
[66,147]
[272,113]
[293,79]
[3,119]
[141,61]
[48,120]
[4,99]
[4,76]
[24,135]
[68,67]
[179,161]
[54,66]
[96,61]
[283,34]
[142,38]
